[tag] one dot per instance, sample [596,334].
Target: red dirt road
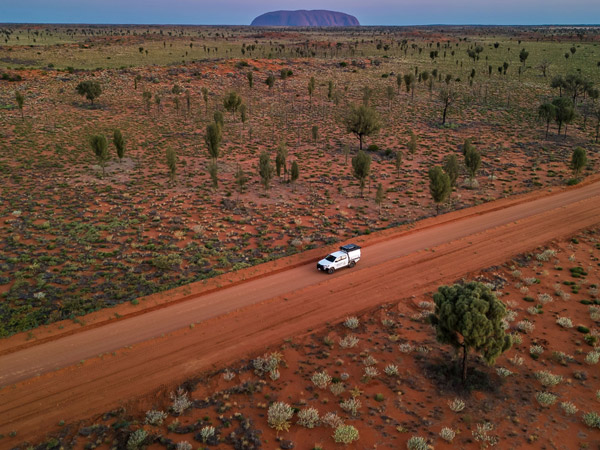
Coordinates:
[233,322]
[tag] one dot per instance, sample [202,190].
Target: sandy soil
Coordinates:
[190,337]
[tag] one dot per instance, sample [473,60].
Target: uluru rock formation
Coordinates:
[303,18]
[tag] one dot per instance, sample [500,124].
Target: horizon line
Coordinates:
[291,26]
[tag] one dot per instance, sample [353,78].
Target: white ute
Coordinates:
[348,256]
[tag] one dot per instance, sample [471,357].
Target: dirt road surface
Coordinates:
[84,374]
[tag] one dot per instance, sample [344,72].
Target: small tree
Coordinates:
[20,98]
[578,161]
[250,77]
[451,168]
[523,55]
[147,97]
[362,121]
[171,164]
[90,89]
[232,102]
[565,113]
[390,94]
[379,197]
[409,81]
[213,139]
[265,169]
[204,92]
[270,81]
[399,81]
[136,80]
[295,173]
[361,168]
[547,112]
[281,158]
[240,180]
[219,119]
[311,88]
[470,317]
[119,143]
[447,97]
[398,162]
[472,163]
[412,143]
[315,133]
[100,148]
[439,186]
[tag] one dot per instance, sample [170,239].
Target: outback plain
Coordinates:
[143,166]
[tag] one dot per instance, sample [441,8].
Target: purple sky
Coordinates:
[241,12]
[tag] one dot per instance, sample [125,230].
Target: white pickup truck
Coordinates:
[348,256]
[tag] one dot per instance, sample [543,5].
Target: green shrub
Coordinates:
[345,434]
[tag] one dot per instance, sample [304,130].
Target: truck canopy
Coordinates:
[349,247]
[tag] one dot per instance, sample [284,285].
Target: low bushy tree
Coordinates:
[578,161]
[362,121]
[470,317]
[119,143]
[100,148]
[361,168]
[439,186]
[90,89]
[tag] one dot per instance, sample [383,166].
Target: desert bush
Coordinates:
[321,379]
[569,408]
[525,326]
[228,375]
[545,255]
[391,370]
[388,323]
[405,348]
[154,417]
[516,360]
[279,416]
[267,363]
[592,358]
[181,402]
[481,434]
[308,417]
[595,312]
[544,298]
[183,445]
[456,405]
[370,372]
[536,350]
[533,310]
[345,434]
[351,322]
[206,433]
[417,443]
[274,374]
[545,398]
[548,379]
[564,322]
[516,338]
[136,439]
[562,358]
[503,372]
[337,388]
[447,434]
[592,419]
[351,405]
[332,420]
[349,341]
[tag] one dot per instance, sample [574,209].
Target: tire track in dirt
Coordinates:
[287,305]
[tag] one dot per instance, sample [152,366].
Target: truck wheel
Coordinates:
[352,264]
[330,270]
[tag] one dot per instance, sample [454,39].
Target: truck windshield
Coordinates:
[330,258]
